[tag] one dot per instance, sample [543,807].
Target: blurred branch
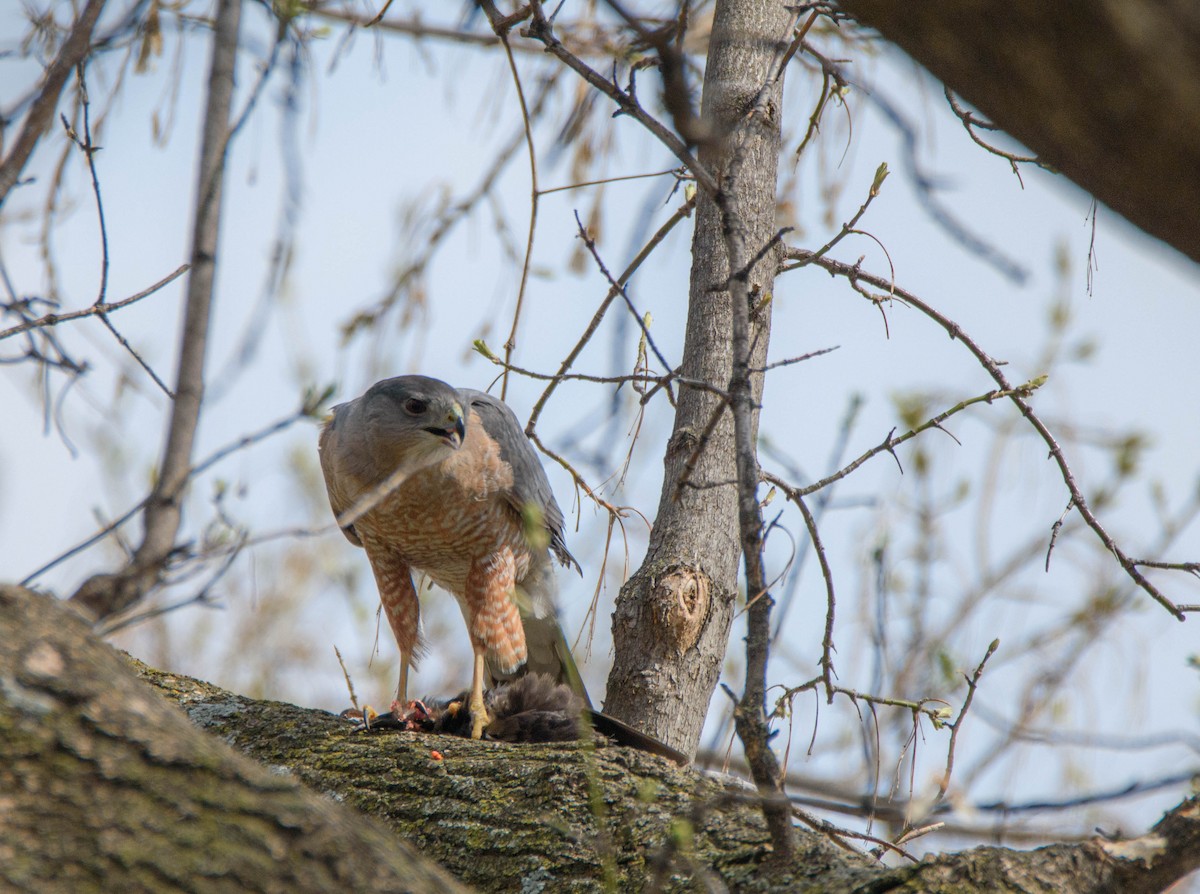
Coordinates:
[540,28]
[416,27]
[676,94]
[445,223]
[107,594]
[74,50]
[501,26]
[845,798]
[307,410]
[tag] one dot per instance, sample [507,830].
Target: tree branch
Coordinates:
[107,594]
[855,275]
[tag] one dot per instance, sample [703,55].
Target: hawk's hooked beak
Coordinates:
[454,430]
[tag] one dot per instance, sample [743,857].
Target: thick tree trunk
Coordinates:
[1106,91]
[104,786]
[671,622]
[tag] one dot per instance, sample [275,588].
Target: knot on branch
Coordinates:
[679,603]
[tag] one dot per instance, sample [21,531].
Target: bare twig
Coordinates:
[89,150]
[620,290]
[542,30]
[892,441]
[678,172]
[849,227]
[970,121]
[680,213]
[1054,529]
[855,275]
[579,479]
[972,684]
[48,320]
[827,648]
[501,25]
[346,675]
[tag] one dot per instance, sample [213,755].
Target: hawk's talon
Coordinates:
[479,721]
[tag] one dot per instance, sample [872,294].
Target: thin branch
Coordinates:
[920,707]
[48,320]
[678,172]
[578,479]
[501,26]
[970,121]
[1054,529]
[542,30]
[855,274]
[849,227]
[892,441]
[89,151]
[827,647]
[683,211]
[1189,567]
[306,411]
[590,243]
[972,684]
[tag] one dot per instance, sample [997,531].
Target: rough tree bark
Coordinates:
[104,785]
[1106,91]
[671,621]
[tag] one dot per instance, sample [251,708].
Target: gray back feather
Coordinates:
[530,484]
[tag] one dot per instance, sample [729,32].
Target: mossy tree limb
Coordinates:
[106,786]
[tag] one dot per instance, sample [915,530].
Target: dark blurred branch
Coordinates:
[74,50]
[1126,129]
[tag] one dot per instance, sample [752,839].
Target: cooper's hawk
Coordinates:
[452,489]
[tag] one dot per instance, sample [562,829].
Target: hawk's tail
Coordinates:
[548,654]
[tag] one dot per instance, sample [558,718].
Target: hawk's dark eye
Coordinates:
[415,407]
